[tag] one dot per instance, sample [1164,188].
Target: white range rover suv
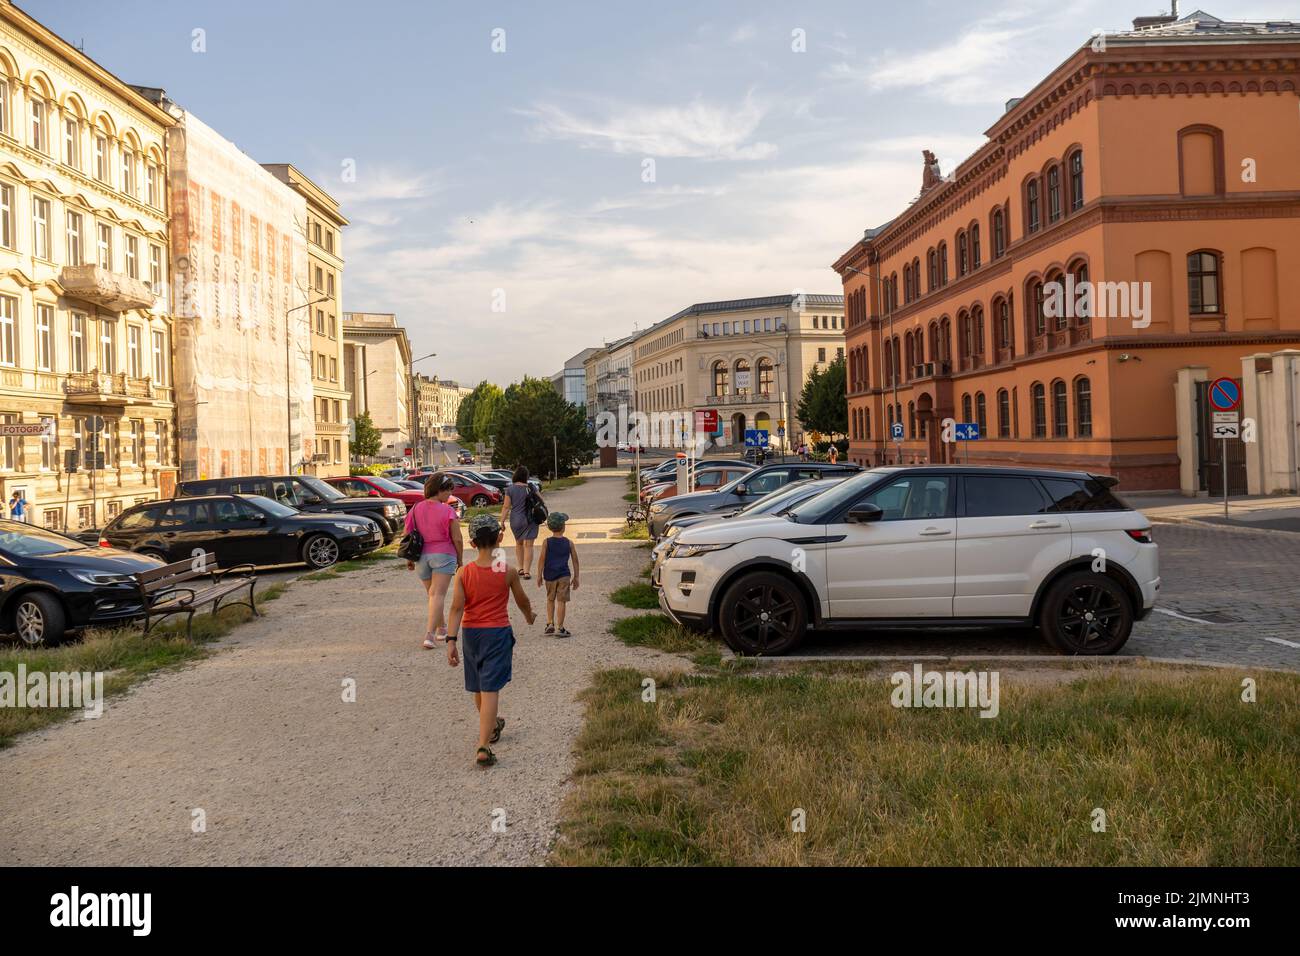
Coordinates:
[928,546]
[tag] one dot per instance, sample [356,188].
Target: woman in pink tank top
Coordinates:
[442,552]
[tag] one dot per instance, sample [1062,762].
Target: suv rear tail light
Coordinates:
[103,542]
[1141,535]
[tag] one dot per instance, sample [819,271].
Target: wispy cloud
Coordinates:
[697,130]
[385,183]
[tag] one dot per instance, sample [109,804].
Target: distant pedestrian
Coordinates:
[17,507]
[480,618]
[515,508]
[834,453]
[443,552]
[553,561]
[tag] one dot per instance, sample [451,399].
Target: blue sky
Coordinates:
[523,170]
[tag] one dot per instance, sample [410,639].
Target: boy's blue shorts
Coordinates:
[488,653]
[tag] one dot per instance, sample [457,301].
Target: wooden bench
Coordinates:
[184,587]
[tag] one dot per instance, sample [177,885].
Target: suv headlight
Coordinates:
[658,508]
[349,528]
[694,550]
[391,510]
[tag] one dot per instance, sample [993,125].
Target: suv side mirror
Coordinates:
[864,514]
[742,489]
[372,494]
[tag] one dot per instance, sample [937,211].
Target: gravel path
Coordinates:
[259,738]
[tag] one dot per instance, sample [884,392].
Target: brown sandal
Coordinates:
[487,761]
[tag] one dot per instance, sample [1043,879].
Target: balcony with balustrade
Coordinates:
[108,388]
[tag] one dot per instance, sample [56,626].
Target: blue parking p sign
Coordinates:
[896,431]
[966,431]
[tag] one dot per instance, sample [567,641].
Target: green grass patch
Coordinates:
[630,497]
[714,769]
[639,595]
[634,532]
[559,484]
[657,631]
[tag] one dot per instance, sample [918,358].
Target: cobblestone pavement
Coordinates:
[1240,586]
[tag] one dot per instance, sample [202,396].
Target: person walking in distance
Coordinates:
[480,618]
[443,550]
[17,507]
[556,554]
[834,453]
[514,507]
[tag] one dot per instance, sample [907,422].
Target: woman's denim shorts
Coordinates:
[435,562]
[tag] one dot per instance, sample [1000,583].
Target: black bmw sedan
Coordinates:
[241,529]
[51,584]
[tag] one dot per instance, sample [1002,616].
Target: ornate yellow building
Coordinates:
[85,334]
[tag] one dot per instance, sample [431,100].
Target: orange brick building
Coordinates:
[1167,156]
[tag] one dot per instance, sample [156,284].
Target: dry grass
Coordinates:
[712,771]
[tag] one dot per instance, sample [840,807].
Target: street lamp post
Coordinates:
[415,401]
[887,296]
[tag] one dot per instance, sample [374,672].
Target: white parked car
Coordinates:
[932,546]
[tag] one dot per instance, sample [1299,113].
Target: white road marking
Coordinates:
[1181,617]
[1278,640]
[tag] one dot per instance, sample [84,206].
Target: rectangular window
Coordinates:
[134,351]
[50,452]
[329,283]
[11,448]
[6,216]
[8,331]
[4,108]
[132,246]
[41,228]
[77,343]
[137,442]
[101,158]
[128,172]
[107,346]
[161,441]
[44,340]
[151,185]
[71,142]
[334,327]
[104,246]
[159,359]
[74,238]
[155,268]
[38,125]
[821,355]
[334,369]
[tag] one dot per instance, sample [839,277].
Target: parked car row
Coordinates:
[931,546]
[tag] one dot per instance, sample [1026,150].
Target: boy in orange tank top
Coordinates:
[479,615]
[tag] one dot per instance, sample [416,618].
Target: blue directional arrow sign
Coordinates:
[966,431]
[755,437]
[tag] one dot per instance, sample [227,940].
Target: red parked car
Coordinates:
[375,486]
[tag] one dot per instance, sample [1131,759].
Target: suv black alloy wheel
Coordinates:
[762,613]
[1086,613]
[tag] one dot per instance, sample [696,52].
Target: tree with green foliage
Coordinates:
[531,413]
[824,402]
[487,413]
[368,440]
[468,409]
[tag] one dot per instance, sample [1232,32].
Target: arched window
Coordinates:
[1004,414]
[981,414]
[742,373]
[1032,211]
[909,351]
[999,238]
[1054,194]
[1082,408]
[911,419]
[963,336]
[945,340]
[907,283]
[1203,283]
[1084,306]
[765,377]
[864,370]
[943,263]
[888,355]
[934,342]
[1076,180]
[1034,303]
[977,329]
[1060,411]
[1038,399]
[963,262]
[866,423]
[975,246]
[1056,282]
[1004,324]
[965,408]
[932,263]
[890,410]
[721,378]
[898,359]
[916,278]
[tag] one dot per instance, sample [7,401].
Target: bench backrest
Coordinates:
[178,572]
